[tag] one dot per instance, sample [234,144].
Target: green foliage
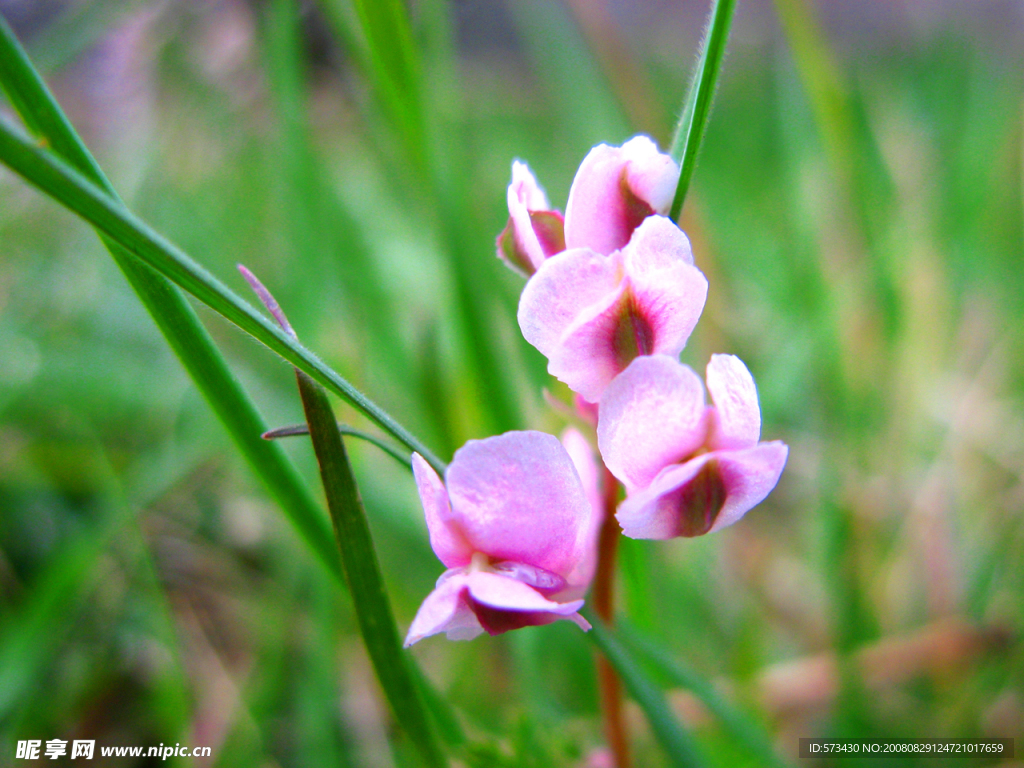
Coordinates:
[857,208]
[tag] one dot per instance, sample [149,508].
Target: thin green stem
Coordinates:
[690,130]
[68,187]
[302,429]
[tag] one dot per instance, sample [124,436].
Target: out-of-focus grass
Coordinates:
[878,300]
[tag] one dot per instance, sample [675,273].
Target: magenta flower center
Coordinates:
[699,501]
[633,335]
[635,210]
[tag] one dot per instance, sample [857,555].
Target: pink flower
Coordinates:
[615,189]
[515,527]
[534,232]
[688,469]
[592,314]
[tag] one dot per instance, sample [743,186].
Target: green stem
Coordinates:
[303,429]
[690,130]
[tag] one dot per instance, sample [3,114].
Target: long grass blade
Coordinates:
[680,747]
[70,188]
[170,310]
[358,555]
[362,572]
[690,130]
[435,152]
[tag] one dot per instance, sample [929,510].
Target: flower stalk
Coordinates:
[609,684]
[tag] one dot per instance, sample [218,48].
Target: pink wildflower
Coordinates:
[534,231]
[615,189]
[688,469]
[592,314]
[517,532]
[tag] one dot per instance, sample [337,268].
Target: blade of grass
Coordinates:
[170,310]
[740,727]
[677,742]
[324,235]
[435,152]
[65,185]
[34,632]
[690,130]
[303,429]
[394,67]
[358,555]
[362,572]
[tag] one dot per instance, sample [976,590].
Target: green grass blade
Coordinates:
[302,429]
[435,147]
[325,237]
[31,634]
[64,184]
[740,727]
[677,742]
[362,573]
[690,130]
[170,310]
[394,66]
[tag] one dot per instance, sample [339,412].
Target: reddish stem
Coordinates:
[608,681]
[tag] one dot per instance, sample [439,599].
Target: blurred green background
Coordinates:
[858,210]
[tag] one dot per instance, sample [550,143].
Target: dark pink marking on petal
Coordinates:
[699,501]
[633,335]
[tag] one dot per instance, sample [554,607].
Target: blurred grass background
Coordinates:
[858,209]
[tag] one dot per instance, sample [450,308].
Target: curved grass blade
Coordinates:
[680,747]
[70,188]
[742,728]
[690,130]
[171,311]
[303,429]
[362,572]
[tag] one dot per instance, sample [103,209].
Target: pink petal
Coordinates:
[737,422]
[703,495]
[668,291]
[525,190]
[446,538]
[598,345]
[650,174]
[615,189]
[582,455]
[446,609]
[749,475]
[657,244]
[563,287]
[651,416]
[502,604]
[499,591]
[518,497]
[533,232]
[591,315]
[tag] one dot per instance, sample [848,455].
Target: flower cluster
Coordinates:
[612,298]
